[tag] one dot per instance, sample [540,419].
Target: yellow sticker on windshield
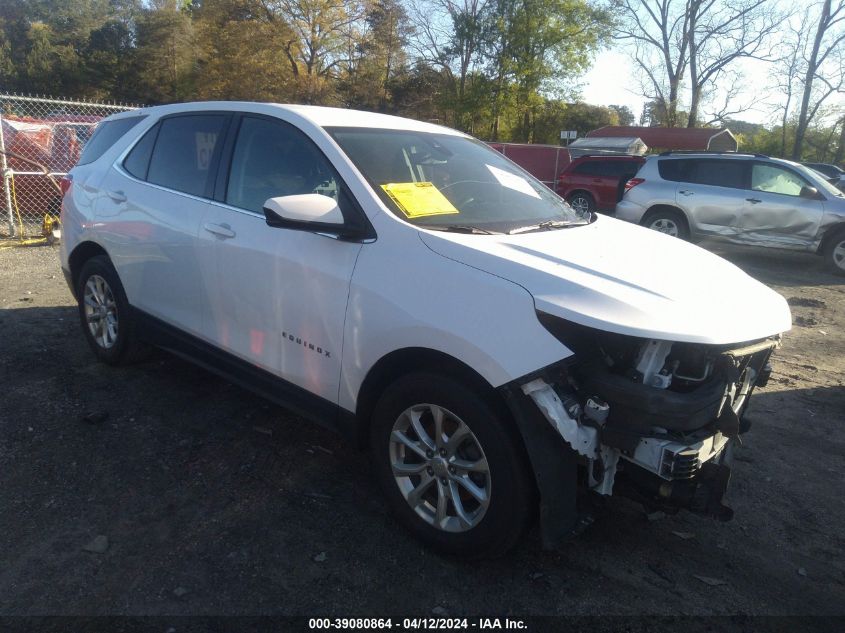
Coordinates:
[419,199]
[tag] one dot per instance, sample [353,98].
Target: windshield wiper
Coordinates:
[547,226]
[460,228]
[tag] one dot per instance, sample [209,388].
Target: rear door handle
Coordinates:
[117,196]
[686,193]
[754,200]
[221,230]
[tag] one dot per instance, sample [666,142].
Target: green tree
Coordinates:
[240,55]
[166,55]
[541,47]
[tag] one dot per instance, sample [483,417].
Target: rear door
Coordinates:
[711,191]
[152,207]
[280,295]
[605,183]
[774,210]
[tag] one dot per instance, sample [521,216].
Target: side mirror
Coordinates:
[810,193]
[309,208]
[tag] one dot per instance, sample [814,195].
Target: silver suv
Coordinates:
[741,198]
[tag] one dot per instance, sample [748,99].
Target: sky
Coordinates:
[613,81]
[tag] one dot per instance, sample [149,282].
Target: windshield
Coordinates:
[819,180]
[447,182]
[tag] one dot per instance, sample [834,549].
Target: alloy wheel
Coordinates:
[581,204]
[440,467]
[100,311]
[665,225]
[839,255]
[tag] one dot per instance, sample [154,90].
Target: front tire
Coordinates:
[834,253]
[105,315]
[452,469]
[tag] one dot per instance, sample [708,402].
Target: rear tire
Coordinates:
[667,221]
[105,314]
[477,460]
[834,253]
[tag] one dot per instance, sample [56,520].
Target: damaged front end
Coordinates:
[648,419]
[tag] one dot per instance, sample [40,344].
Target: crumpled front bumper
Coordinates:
[660,472]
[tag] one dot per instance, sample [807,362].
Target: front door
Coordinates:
[281,295]
[775,212]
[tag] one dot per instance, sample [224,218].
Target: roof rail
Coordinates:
[595,154]
[711,151]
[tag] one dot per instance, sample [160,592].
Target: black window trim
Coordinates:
[354,217]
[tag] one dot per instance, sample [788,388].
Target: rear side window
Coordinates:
[138,160]
[720,173]
[590,168]
[185,151]
[618,168]
[106,135]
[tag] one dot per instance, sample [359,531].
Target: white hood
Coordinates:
[623,278]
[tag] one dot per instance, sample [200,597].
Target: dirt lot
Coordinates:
[215,502]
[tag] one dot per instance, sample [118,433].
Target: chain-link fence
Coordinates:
[40,140]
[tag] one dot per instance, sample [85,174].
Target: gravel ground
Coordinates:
[197,497]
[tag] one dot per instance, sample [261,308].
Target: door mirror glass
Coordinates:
[303,209]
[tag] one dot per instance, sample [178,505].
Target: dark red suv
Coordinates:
[597,182]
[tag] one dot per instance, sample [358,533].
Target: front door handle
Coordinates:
[221,230]
[117,196]
[686,193]
[754,200]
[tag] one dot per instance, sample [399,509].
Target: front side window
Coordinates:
[774,179]
[184,151]
[450,182]
[272,159]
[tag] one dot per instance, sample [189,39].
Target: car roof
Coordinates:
[320,116]
[721,155]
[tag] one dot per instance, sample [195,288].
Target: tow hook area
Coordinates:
[580,428]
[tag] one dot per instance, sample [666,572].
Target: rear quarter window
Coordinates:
[138,160]
[106,135]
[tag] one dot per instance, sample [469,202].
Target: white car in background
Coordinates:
[411,287]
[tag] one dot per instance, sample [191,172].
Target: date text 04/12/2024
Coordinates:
[412,624]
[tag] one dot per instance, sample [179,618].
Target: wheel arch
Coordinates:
[411,359]
[576,190]
[830,232]
[81,254]
[655,208]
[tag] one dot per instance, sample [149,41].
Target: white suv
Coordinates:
[409,286]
